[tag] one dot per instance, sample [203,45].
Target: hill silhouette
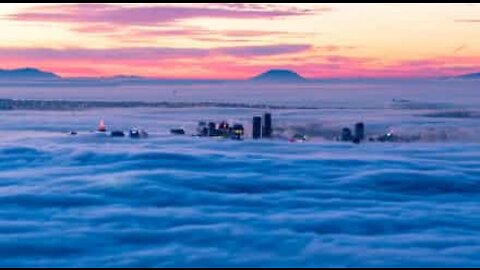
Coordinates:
[279,75]
[25,74]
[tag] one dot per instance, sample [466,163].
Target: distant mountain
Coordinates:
[26,74]
[279,75]
[472,76]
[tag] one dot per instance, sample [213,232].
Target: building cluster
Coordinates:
[133,133]
[359,136]
[356,137]
[392,137]
[222,129]
[262,127]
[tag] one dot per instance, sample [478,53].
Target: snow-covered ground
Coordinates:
[89,200]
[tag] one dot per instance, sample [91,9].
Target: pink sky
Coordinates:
[234,41]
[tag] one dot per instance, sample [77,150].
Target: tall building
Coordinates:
[359,131]
[267,125]
[346,135]
[257,127]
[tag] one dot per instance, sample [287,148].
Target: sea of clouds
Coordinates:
[91,200]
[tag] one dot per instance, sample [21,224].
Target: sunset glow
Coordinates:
[234,41]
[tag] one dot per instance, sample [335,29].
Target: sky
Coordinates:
[237,41]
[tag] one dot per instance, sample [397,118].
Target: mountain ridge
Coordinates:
[470,76]
[26,73]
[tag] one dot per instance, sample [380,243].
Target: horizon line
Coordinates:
[141,77]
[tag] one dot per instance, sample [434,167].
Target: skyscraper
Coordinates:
[257,127]
[359,131]
[267,125]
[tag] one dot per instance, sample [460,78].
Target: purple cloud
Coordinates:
[150,14]
[135,34]
[246,51]
[147,53]
[251,33]
[102,54]
[468,21]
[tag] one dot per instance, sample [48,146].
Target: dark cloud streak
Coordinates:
[152,14]
[151,52]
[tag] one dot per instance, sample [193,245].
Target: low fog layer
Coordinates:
[92,200]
